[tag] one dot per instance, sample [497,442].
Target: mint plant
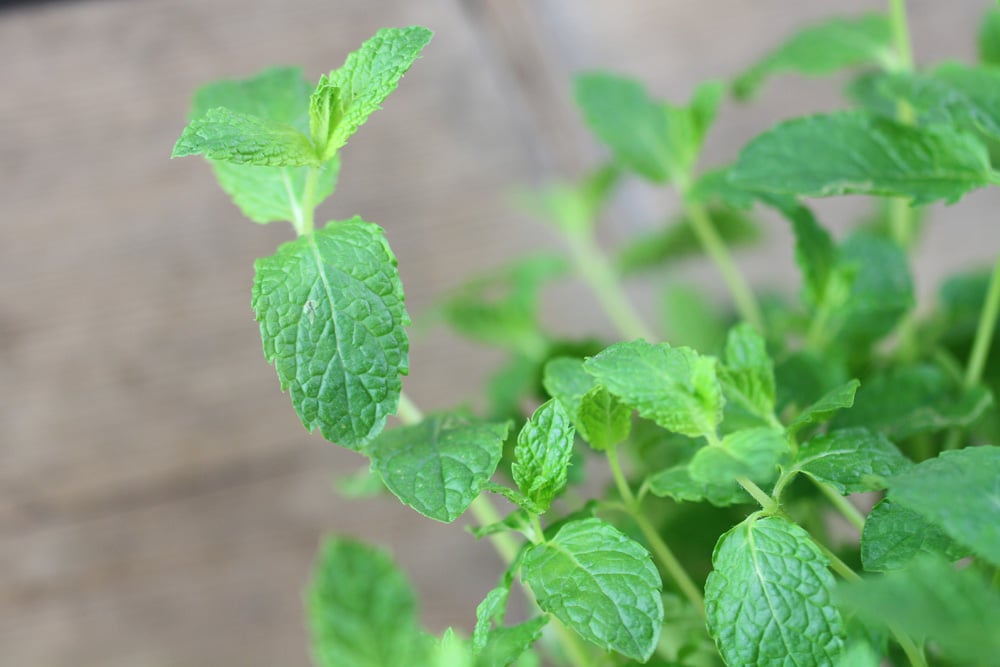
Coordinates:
[734,439]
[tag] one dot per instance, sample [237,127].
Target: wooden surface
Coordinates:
[159,502]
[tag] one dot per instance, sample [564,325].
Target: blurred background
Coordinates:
[160,504]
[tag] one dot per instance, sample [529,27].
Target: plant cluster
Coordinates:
[733,447]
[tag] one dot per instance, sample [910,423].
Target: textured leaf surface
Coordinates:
[675,387]
[601,584]
[267,194]
[747,372]
[753,452]
[824,48]
[492,608]
[506,644]
[851,152]
[894,536]
[823,409]
[959,491]
[231,136]
[676,482]
[852,460]
[361,609]
[907,400]
[956,609]
[768,598]
[331,313]
[603,420]
[343,101]
[542,454]
[439,466]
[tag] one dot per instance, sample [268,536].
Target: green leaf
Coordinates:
[691,319]
[343,101]
[361,609]
[852,460]
[601,584]
[894,536]
[604,422]
[657,141]
[959,491]
[989,37]
[676,482]
[747,372]
[492,608]
[822,410]
[677,240]
[768,598]
[565,380]
[904,401]
[331,313]
[957,610]
[815,251]
[753,452]
[439,466]
[542,454]
[267,194]
[507,644]
[231,136]
[675,387]
[575,207]
[850,152]
[824,48]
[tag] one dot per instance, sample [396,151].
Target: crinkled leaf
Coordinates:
[603,421]
[823,409]
[492,609]
[343,100]
[361,609]
[955,609]
[894,536]
[675,387]
[903,401]
[331,313]
[747,372]
[851,152]
[824,48]
[989,37]
[439,466]
[231,136]
[754,453]
[768,598]
[959,491]
[677,240]
[542,454]
[601,584]
[676,482]
[852,460]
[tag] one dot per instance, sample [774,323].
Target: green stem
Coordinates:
[843,505]
[901,33]
[407,411]
[536,524]
[309,202]
[713,244]
[595,269]
[984,332]
[616,471]
[900,211]
[766,501]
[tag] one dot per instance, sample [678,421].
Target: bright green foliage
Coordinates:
[231,136]
[894,536]
[677,482]
[828,405]
[768,598]
[507,644]
[656,140]
[343,100]
[747,372]
[492,608]
[908,400]
[958,491]
[603,420]
[331,313]
[675,387]
[361,610]
[815,252]
[574,208]
[851,460]
[955,609]
[850,152]
[677,240]
[440,465]
[541,457]
[989,37]
[824,48]
[565,380]
[754,453]
[601,584]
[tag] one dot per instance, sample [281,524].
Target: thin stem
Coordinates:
[746,302]
[407,411]
[766,501]
[901,33]
[843,505]
[536,524]
[670,562]
[616,471]
[595,269]
[984,332]
[309,202]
